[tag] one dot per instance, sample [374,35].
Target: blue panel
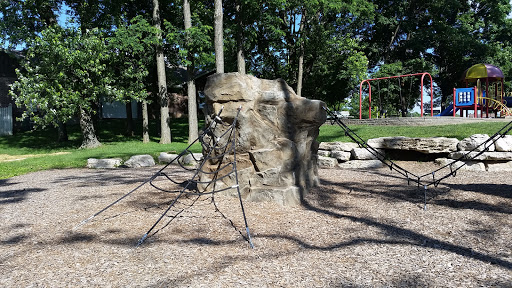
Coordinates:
[464,96]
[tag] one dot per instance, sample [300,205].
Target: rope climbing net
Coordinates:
[431,178]
[217,149]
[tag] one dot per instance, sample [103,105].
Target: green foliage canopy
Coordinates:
[64,70]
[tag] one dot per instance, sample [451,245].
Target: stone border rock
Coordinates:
[497,157]
[140,161]
[145,160]
[104,163]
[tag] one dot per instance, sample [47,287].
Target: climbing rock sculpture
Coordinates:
[276,146]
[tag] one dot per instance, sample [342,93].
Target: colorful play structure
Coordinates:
[485,95]
[391,77]
[483,92]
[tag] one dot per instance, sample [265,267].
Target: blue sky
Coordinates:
[64,17]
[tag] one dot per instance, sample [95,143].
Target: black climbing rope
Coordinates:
[216,149]
[411,177]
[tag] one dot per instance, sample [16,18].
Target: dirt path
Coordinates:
[8,158]
[358,229]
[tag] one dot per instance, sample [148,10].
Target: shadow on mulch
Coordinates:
[413,194]
[14,240]
[15,195]
[402,236]
[498,190]
[79,237]
[102,178]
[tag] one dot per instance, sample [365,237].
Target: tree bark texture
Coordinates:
[145,122]
[191,85]
[300,73]
[240,56]
[129,119]
[219,38]
[165,120]
[63,132]
[86,125]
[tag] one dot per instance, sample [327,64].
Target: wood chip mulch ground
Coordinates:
[364,228]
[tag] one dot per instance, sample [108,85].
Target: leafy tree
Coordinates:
[132,47]
[21,21]
[500,51]
[66,73]
[334,62]
[450,35]
[63,76]
[114,14]
[318,38]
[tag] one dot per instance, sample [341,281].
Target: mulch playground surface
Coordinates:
[359,228]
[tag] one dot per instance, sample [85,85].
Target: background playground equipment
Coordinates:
[471,99]
[478,97]
[391,77]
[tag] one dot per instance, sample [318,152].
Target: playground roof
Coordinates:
[483,71]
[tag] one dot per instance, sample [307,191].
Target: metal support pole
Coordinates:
[475,102]
[369,100]
[454,92]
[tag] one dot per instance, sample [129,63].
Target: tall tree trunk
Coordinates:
[129,119]
[219,39]
[193,129]
[145,122]
[86,125]
[165,120]
[300,73]
[63,132]
[191,85]
[240,57]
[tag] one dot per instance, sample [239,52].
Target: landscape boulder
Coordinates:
[165,157]
[469,165]
[338,146]
[275,136]
[474,143]
[109,163]
[327,162]
[140,161]
[499,166]
[341,156]
[361,164]
[364,154]
[481,156]
[190,159]
[504,144]
[424,145]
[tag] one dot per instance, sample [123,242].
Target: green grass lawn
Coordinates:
[331,133]
[47,153]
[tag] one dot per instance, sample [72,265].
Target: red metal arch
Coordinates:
[390,77]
